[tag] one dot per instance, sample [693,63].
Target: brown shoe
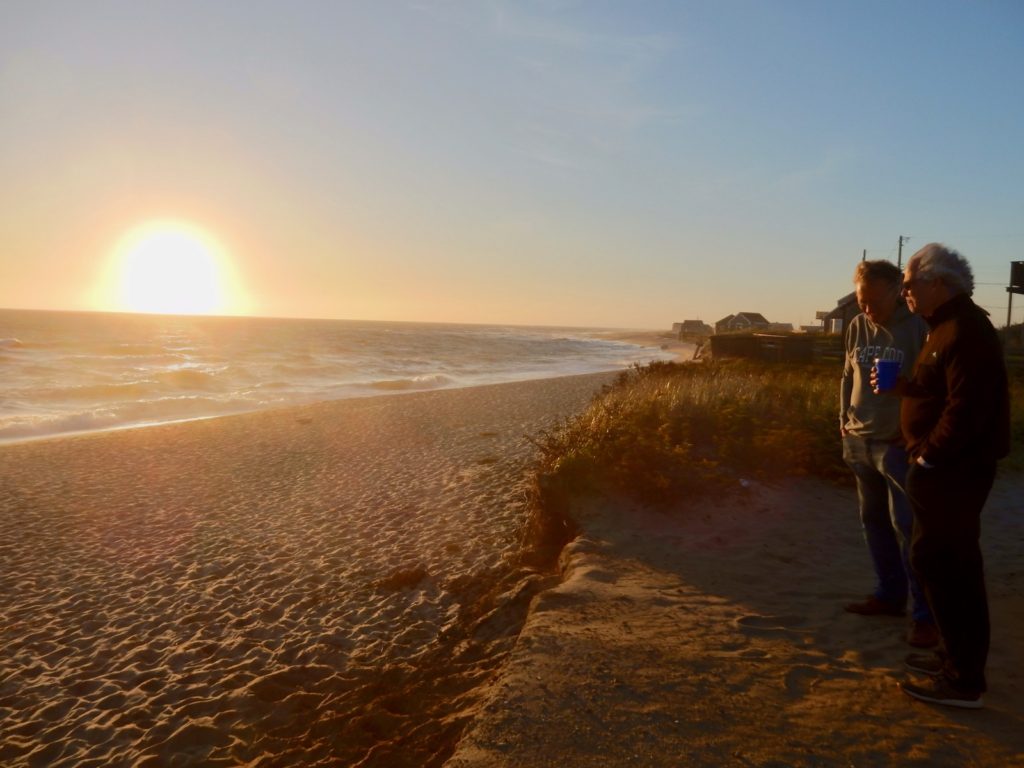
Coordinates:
[931,664]
[939,690]
[872,606]
[922,634]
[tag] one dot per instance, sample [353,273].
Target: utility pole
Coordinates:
[864,255]
[899,256]
[1016,286]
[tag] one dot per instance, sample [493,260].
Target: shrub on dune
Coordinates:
[671,430]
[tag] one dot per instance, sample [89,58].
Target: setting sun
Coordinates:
[171,267]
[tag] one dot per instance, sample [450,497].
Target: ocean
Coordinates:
[67,372]
[331,589]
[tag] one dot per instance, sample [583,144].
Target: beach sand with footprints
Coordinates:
[344,584]
[321,585]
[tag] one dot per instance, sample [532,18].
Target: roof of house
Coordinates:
[754,317]
[846,299]
[842,307]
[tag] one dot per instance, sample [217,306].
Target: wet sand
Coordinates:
[321,585]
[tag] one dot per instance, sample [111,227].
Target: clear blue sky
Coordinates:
[621,164]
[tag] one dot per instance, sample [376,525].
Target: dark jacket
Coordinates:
[957,405]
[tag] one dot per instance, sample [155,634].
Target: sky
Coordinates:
[541,162]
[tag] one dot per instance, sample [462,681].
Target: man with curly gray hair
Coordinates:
[955,419]
[936,261]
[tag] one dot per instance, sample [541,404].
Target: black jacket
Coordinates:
[956,407]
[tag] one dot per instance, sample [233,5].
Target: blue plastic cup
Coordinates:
[886,373]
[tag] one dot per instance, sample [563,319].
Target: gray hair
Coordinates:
[937,261]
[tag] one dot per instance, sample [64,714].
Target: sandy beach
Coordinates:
[321,585]
[339,584]
[713,635]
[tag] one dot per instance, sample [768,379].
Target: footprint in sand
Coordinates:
[753,654]
[800,680]
[763,625]
[740,651]
[804,594]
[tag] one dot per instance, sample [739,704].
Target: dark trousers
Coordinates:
[946,555]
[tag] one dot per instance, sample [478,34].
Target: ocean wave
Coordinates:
[157,384]
[130,414]
[188,378]
[429,381]
[39,370]
[134,350]
[313,369]
[273,385]
[170,368]
[174,408]
[96,392]
[46,426]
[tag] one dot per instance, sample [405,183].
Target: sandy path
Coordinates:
[714,636]
[291,587]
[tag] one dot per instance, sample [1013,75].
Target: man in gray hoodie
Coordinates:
[873,448]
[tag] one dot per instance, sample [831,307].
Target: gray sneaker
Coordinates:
[940,691]
[930,664]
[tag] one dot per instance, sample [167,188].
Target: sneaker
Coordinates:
[930,664]
[872,606]
[922,634]
[941,691]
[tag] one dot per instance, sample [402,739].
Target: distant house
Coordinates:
[742,321]
[836,320]
[692,328]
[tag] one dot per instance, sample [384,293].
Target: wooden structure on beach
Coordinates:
[775,347]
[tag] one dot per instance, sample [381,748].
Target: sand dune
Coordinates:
[309,586]
[713,635]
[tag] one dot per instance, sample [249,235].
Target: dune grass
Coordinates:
[681,430]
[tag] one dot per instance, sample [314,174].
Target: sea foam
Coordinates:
[69,372]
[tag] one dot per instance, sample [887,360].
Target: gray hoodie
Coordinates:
[861,411]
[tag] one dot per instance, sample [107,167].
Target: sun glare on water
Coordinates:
[172,267]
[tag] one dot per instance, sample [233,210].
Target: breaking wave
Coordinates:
[72,372]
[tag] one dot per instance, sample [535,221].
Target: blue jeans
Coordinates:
[881,471]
